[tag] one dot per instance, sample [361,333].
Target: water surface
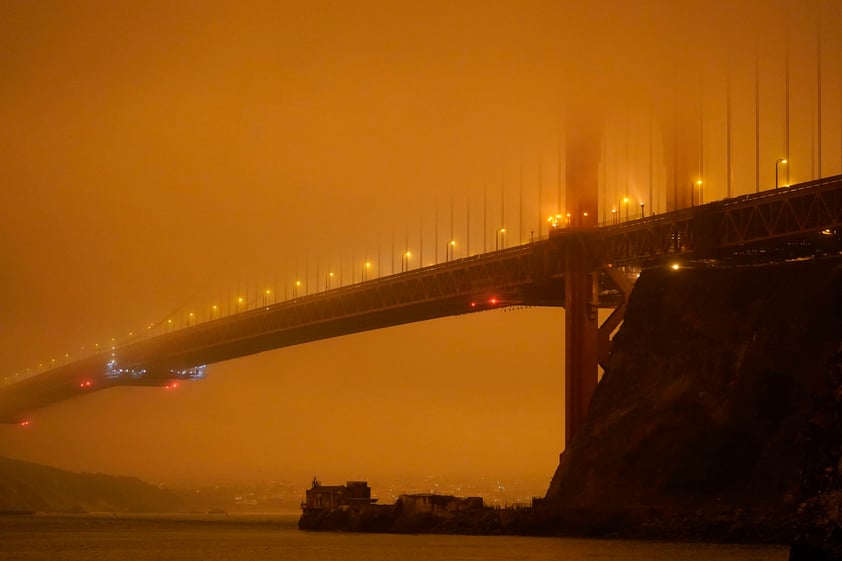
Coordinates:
[257,538]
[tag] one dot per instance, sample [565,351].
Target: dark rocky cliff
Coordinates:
[708,411]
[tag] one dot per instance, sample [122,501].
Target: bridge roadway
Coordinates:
[796,221]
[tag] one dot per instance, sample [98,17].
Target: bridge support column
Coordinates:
[613,321]
[581,338]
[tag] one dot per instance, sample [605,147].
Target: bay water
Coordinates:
[277,538]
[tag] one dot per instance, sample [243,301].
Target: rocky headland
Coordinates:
[719,418]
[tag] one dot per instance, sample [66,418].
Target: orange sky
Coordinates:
[155,156]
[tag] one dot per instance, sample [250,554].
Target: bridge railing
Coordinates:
[423,293]
[806,208]
[707,229]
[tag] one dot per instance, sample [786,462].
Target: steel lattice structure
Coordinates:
[798,213]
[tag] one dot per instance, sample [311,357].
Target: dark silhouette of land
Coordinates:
[29,487]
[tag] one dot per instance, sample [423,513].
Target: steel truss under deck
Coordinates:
[531,274]
[795,213]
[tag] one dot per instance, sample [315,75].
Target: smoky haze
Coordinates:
[159,158]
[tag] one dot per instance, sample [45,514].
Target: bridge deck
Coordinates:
[532,274]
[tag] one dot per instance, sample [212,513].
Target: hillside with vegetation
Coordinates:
[26,486]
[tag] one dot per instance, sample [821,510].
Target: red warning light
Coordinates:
[86,384]
[493,301]
[171,386]
[24,423]
[473,304]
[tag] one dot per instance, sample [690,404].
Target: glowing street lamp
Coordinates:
[327,280]
[614,219]
[693,187]
[778,163]
[448,250]
[626,202]
[295,287]
[366,267]
[405,261]
[266,294]
[499,240]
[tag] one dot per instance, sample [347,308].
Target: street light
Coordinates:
[642,212]
[327,280]
[626,202]
[613,215]
[693,186]
[778,162]
[498,237]
[266,296]
[295,288]
[366,267]
[405,261]
[448,250]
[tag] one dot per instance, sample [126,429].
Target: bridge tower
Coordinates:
[584,135]
[682,162]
